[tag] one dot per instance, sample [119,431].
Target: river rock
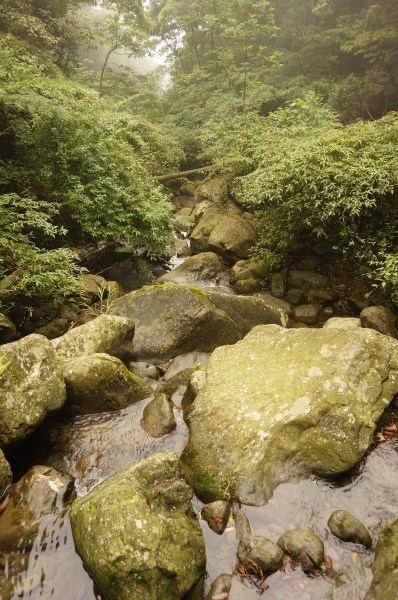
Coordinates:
[385,566]
[322,296]
[31,387]
[5,473]
[306,548]
[196,383]
[276,303]
[94,285]
[248,286]
[105,334]
[348,528]
[380,319]
[242,524]
[158,419]
[137,533]
[101,383]
[54,328]
[216,514]
[306,313]
[286,403]
[211,217]
[266,554]
[42,491]
[278,284]
[144,370]
[233,238]
[221,585]
[8,330]
[202,270]
[295,296]
[316,281]
[247,311]
[211,188]
[186,361]
[172,320]
[342,323]
[245,269]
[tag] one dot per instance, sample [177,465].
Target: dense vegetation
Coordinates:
[79,147]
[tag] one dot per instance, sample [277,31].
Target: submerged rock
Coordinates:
[105,334]
[348,528]
[385,567]
[158,419]
[138,535]
[202,270]
[306,548]
[216,514]
[283,404]
[242,524]
[221,585]
[31,387]
[101,383]
[380,319]
[266,554]
[5,473]
[172,320]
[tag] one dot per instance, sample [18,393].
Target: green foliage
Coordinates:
[2,365]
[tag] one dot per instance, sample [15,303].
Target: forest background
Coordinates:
[297,100]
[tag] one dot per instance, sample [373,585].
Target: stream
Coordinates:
[92,448]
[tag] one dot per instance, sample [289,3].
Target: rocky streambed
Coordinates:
[226,432]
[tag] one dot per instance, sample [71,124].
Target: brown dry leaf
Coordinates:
[218,519]
[42,478]
[223,596]
[308,540]
[301,585]
[288,577]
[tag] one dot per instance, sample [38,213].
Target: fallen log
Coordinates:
[171,176]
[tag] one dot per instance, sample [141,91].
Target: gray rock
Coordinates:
[132,274]
[172,320]
[221,585]
[196,384]
[54,328]
[29,500]
[233,238]
[204,270]
[31,387]
[93,285]
[343,324]
[306,548]
[143,369]
[306,313]
[348,528]
[248,311]
[101,383]
[278,284]
[385,570]
[358,304]
[242,524]
[158,419]
[5,473]
[216,514]
[285,403]
[380,319]
[245,269]
[8,330]
[307,264]
[267,555]
[299,278]
[295,296]
[325,314]
[105,334]
[137,533]
[248,286]
[209,220]
[211,188]
[322,297]
[277,303]
[186,361]
[188,189]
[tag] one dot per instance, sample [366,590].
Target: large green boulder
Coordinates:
[101,383]
[138,535]
[233,238]
[202,270]
[283,404]
[31,387]
[385,566]
[106,334]
[171,320]
[211,217]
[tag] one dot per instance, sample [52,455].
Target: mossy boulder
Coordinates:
[172,320]
[31,387]
[105,334]
[348,528]
[233,238]
[8,330]
[202,270]
[385,567]
[5,473]
[380,319]
[211,217]
[101,383]
[138,535]
[283,404]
